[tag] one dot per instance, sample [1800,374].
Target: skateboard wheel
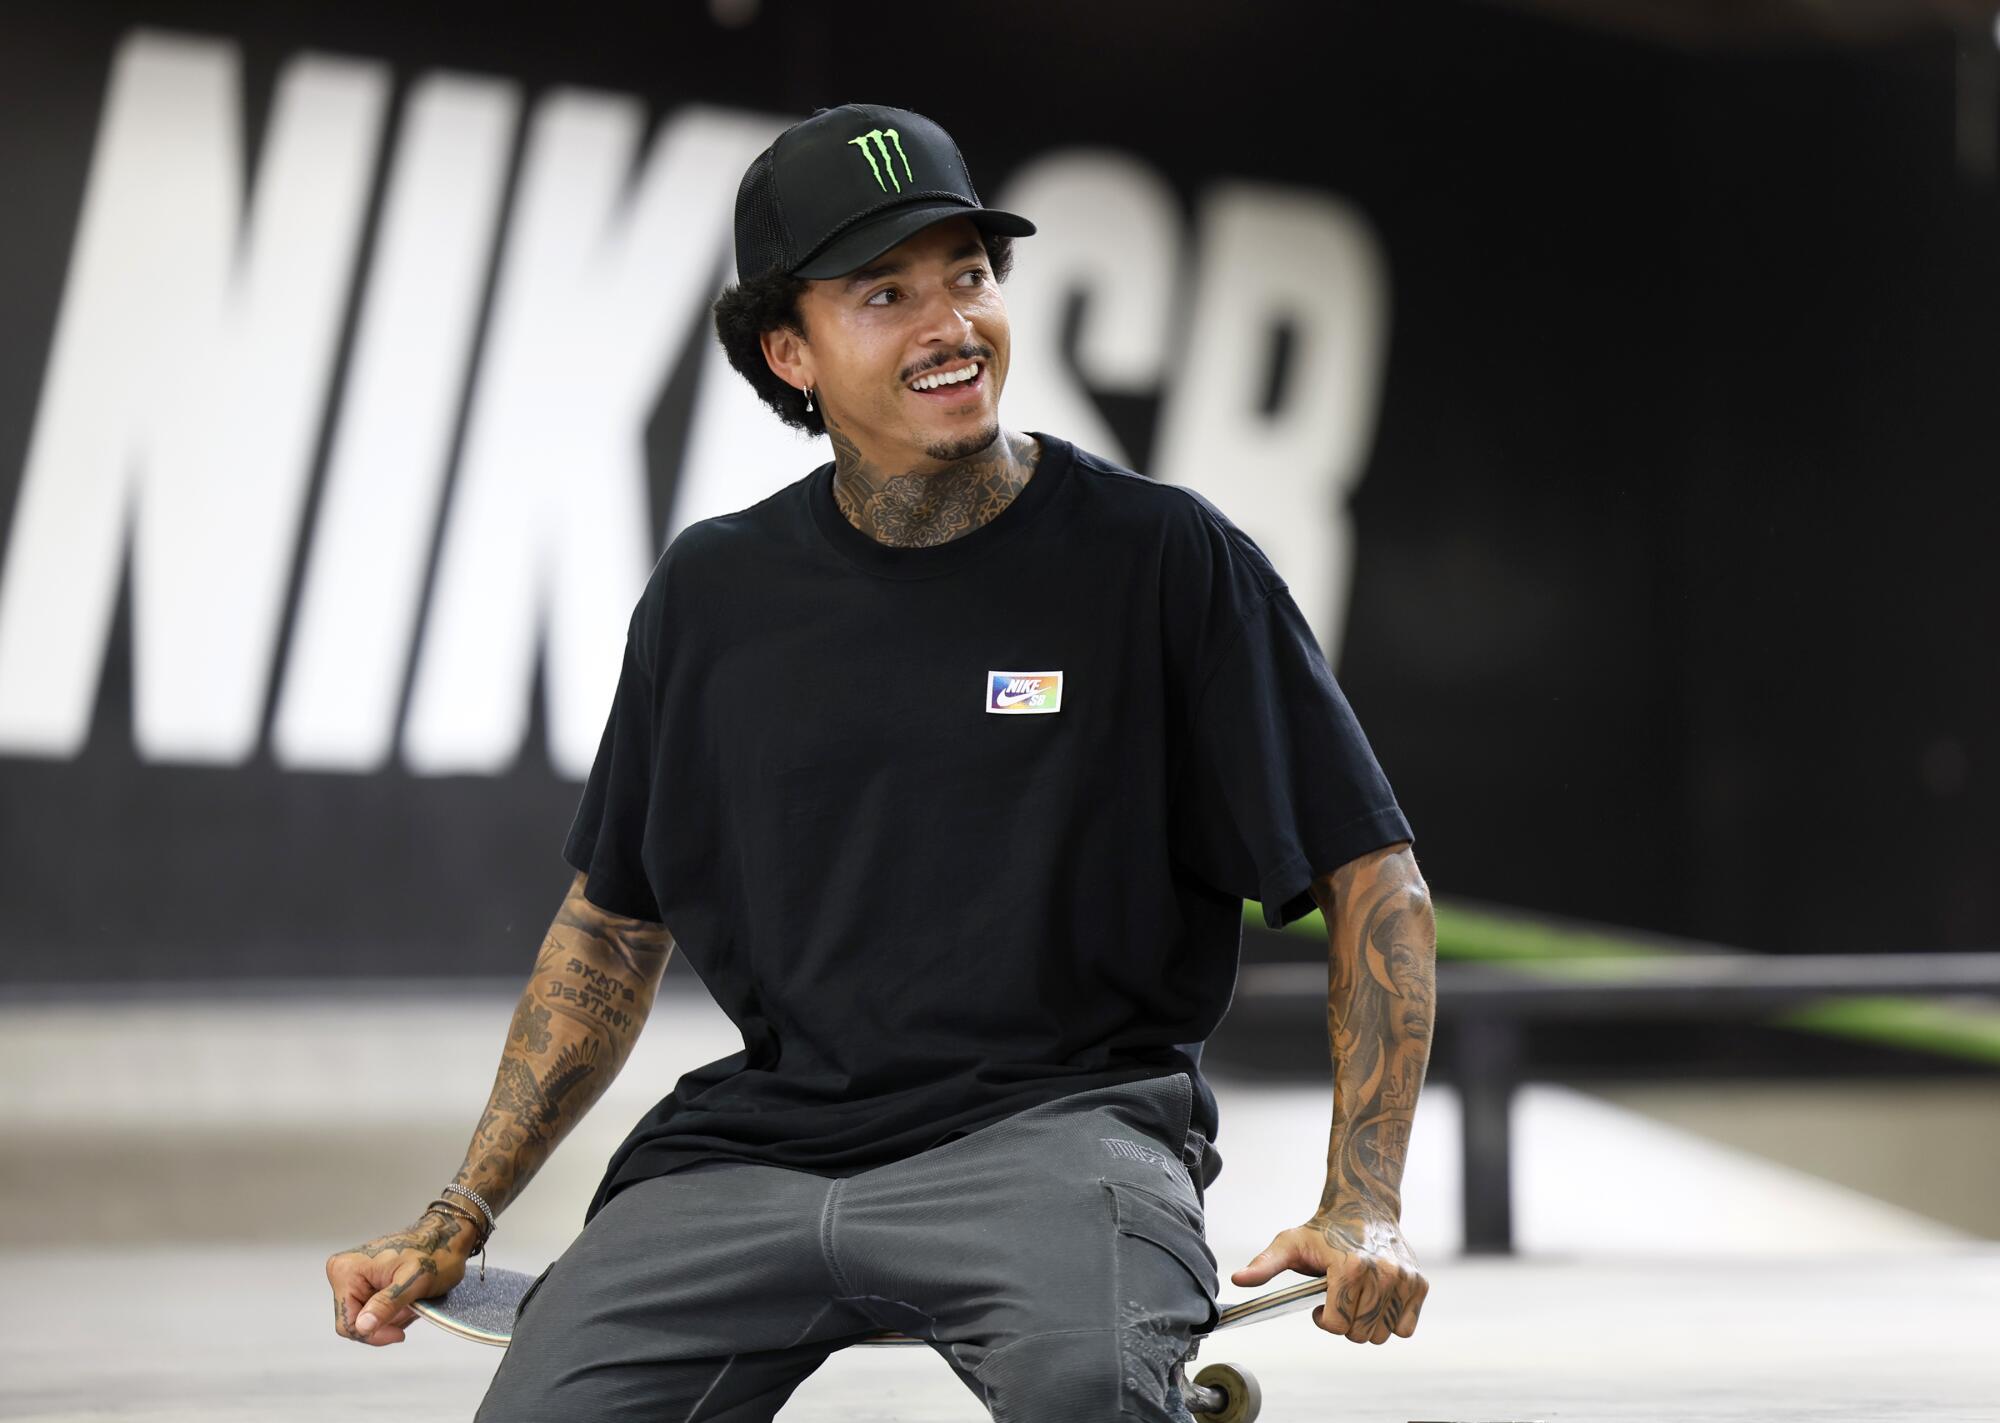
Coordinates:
[1242,1400]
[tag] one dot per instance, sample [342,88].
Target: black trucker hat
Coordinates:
[848,184]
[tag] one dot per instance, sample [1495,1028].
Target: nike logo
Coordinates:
[1027,692]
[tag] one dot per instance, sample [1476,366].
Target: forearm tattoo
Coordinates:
[574,1027]
[911,510]
[1381,1006]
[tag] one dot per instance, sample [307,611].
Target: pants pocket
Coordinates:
[1165,1279]
[1170,1224]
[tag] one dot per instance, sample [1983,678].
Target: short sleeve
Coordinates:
[1279,783]
[607,839]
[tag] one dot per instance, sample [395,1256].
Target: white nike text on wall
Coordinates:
[197,346]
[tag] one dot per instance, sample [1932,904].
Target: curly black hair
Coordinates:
[745,311]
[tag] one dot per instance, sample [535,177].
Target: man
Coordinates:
[973,938]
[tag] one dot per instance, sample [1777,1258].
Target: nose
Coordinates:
[943,323]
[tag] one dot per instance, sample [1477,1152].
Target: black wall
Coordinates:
[1674,604]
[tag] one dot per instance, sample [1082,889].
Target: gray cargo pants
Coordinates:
[1055,1260]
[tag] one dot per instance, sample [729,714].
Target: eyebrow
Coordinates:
[861,276]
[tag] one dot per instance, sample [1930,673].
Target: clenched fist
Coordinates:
[375,1285]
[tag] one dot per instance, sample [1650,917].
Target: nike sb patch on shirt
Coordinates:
[1023,691]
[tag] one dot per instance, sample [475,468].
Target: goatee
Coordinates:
[966,446]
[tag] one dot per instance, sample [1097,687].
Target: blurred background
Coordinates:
[1614,382]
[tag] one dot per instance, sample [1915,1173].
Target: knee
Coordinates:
[1128,1372]
[1069,1373]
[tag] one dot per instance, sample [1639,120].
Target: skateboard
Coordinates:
[482,1310]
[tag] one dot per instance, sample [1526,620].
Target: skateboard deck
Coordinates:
[482,1310]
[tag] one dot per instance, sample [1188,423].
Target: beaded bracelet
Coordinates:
[477,1200]
[459,1212]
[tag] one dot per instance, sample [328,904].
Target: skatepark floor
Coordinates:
[176,1172]
[221,1335]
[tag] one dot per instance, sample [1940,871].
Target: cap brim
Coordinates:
[871,239]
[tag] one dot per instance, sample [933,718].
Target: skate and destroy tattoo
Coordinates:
[575,1025]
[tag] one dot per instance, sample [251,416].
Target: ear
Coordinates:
[789,357]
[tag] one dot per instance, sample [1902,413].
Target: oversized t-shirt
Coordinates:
[950,831]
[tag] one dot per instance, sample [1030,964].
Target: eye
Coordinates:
[978,275]
[874,298]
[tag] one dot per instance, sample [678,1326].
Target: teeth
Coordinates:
[934,382]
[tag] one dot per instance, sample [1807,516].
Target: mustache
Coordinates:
[967,352]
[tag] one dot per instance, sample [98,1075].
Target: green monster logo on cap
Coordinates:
[876,136]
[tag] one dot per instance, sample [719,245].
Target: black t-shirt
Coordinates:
[955,830]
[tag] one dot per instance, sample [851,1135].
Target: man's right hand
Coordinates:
[376,1284]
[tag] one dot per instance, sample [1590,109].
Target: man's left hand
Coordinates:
[1373,1286]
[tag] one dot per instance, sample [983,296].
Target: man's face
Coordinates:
[878,337]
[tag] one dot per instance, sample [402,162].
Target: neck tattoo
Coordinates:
[916,510]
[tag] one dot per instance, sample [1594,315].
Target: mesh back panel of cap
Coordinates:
[761,239]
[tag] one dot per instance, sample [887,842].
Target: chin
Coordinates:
[959,447]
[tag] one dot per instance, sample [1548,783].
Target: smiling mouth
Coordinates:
[950,381]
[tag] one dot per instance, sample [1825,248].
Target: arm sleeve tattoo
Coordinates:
[575,1025]
[1381,1005]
